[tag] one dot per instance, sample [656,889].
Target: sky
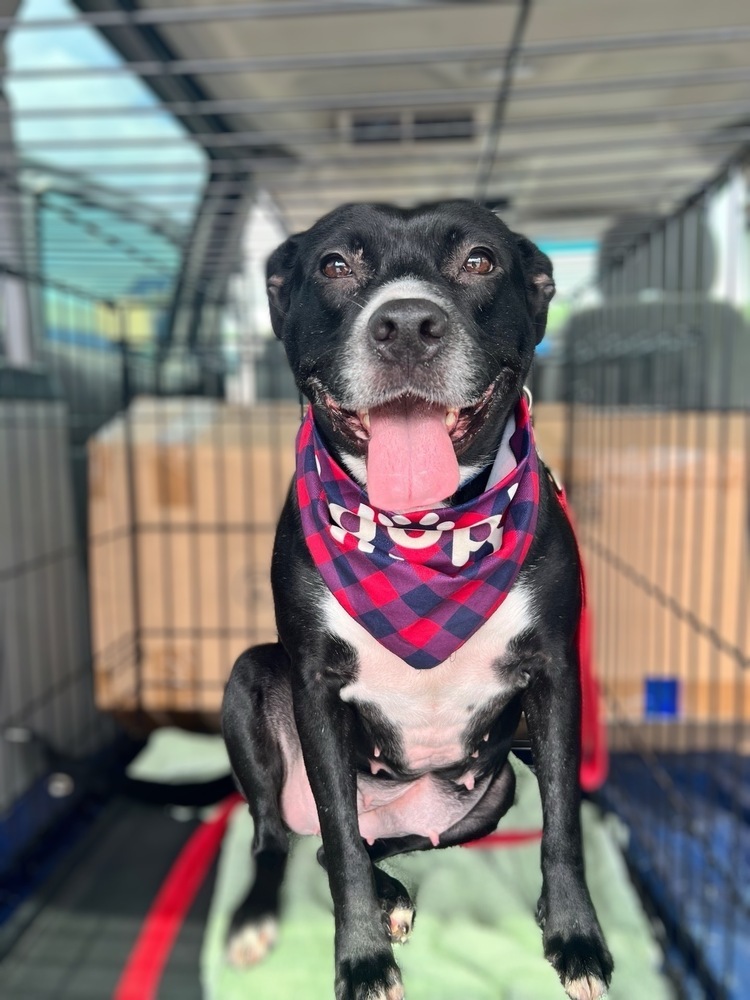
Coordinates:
[82,46]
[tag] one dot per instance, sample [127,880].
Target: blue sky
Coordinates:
[82,46]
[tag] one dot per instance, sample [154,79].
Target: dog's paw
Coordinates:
[583,964]
[249,943]
[586,989]
[369,979]
[399,922]
[396,905]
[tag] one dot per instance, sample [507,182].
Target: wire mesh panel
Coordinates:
[47,716]
[184,497]
[659,468]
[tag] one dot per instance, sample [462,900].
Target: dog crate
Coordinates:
[659,469]
[153,154]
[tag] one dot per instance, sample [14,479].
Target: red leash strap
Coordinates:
[146,963]
[594,755]
[505,838]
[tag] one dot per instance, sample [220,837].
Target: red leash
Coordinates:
[146,963]
[505,838]
[594,755]
[144,968]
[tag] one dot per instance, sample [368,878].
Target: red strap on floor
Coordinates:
[146,963]
[505,838]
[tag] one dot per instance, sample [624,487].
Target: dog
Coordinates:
[380,720]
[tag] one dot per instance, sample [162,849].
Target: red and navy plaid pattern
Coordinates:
[421,583]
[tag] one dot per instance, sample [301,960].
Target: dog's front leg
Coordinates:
[365,968]
[573,940]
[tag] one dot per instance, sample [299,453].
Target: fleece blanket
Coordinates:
[475,937]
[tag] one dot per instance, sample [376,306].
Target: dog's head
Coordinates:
[411,332]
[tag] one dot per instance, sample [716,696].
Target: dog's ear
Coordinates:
[540,286]
[279,269]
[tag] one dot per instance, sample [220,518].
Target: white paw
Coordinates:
[395,992]
[251,943]
[586,988]
[400,921]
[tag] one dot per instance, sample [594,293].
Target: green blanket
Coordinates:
[475,937]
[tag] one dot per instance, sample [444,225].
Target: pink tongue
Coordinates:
[411,463]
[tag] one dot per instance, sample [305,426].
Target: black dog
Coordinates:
[407,330]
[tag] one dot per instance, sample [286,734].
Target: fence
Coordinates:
[134,546]
[659,469]
[48,722]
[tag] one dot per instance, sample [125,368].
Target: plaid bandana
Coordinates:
[421,583]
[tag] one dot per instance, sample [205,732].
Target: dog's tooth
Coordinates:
[467,780]
[486,737]
[451,419]
[376,752]
[434,837]
[475,754]
[364,418]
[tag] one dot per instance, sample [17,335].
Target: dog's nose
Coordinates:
[416,326]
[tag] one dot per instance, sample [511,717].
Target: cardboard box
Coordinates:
[661,500]
[184,496]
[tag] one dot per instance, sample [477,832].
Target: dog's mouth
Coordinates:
[412,447]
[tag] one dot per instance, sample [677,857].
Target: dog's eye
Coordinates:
[334,266]
[479,261]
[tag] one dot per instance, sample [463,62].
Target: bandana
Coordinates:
[423,582]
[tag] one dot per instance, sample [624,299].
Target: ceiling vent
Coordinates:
[411,126]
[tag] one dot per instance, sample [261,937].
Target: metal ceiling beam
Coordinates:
[226,13]
[313,196]
[425,153]
[301,62]
[387,100]
[501,191]
[579,212]
[274,138]
[319,202]
[379,59]
[621,168]
[500,108]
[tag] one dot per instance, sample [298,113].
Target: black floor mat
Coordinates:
[77,946]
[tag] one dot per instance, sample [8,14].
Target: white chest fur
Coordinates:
[432,708]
